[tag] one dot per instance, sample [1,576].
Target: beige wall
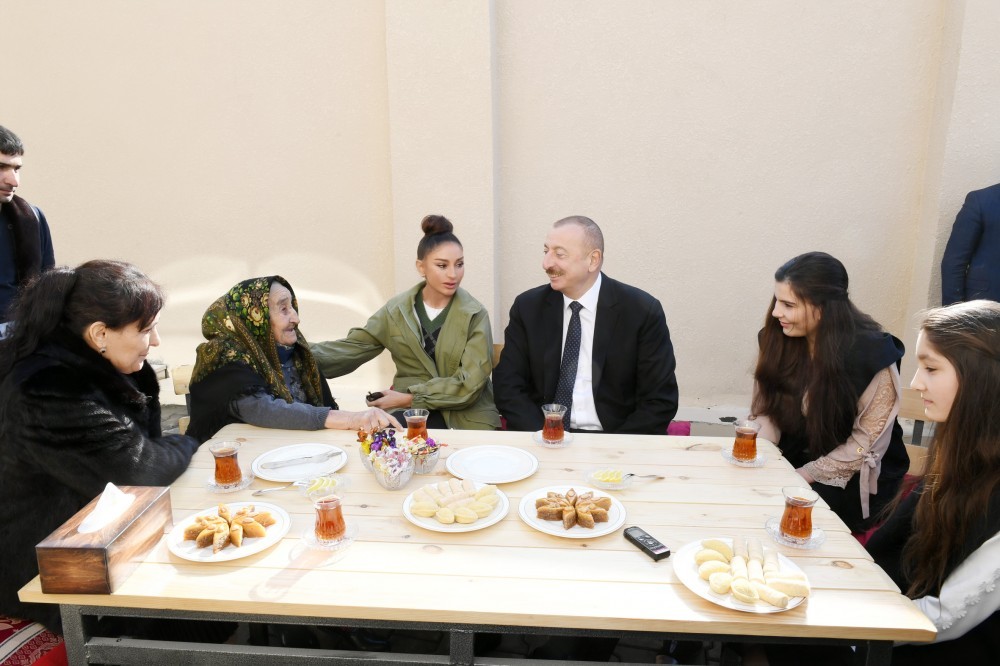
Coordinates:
[213,141]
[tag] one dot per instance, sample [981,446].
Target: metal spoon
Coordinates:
[642,476]
[271,490]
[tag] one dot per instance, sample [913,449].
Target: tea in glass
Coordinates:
[416,423]
[796,521]
[227,465]
[330,525]
[745,446]
[553,431]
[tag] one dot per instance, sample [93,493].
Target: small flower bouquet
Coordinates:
[393,467]
[425,453]
[374,442]
[392,462]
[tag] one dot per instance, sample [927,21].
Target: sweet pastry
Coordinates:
[720,582]
[770,595]
[752,574]
[742,590]
[789,586]
[719,546]
[455,501]
[227,528]
[706,554]
[573,509]
[711,567]
[236,535]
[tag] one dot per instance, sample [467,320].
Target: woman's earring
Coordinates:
[104,350]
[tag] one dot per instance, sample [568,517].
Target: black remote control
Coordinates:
[646,543]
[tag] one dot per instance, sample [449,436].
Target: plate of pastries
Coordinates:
[228,531]
[572,512]
[456,505]
[741,574]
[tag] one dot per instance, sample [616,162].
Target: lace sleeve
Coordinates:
[876,408]
[969,595]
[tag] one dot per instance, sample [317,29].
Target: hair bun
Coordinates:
[436,224]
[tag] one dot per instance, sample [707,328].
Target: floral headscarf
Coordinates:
[238,329]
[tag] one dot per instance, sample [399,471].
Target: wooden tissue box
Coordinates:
[73,563]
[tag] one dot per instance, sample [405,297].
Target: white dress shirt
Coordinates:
[583,414]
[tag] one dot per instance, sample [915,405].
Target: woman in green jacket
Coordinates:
[439,337]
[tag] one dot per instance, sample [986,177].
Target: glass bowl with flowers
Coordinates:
[374,441]
[391,461]
[425,453]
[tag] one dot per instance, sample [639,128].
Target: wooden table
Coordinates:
[508,577]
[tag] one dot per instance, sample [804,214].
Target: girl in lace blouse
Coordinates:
[941,544]
[827,390]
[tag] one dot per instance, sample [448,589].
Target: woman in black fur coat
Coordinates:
[79,408]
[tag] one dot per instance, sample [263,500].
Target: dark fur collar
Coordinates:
[67,365]
[25,231]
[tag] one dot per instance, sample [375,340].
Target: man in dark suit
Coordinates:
[624,373]
[25,241]
[970,267]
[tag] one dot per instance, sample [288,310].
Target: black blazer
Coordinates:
[970,267]
[635,390]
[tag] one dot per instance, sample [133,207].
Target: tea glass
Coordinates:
[228,473]
[330,524]
[554,431]
[416,423]
[796,521]
[745,445]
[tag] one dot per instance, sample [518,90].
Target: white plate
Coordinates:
[492,464]
[296,472]
[616,514]
[499,511]
[189,551]
[687,570]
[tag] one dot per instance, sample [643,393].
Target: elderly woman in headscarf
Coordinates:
[256,368]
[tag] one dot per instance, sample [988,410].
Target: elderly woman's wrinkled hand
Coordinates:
[373,419]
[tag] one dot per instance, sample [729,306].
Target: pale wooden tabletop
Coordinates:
[512,574]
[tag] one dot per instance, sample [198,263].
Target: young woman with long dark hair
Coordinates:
[941,544]
[827,389]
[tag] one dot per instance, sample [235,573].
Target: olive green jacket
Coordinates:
[459,386]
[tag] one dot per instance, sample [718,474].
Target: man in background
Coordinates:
[25,242]
[970,267]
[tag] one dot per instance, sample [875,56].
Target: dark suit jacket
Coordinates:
[970,268]
[635,390]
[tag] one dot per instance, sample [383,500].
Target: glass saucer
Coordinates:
[350,534]
[591,478]
[759,461]
[230,487]
[773,527]
[536,437]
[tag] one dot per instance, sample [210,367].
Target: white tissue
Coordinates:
[112,504]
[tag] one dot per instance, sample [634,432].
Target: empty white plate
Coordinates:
[492,464]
